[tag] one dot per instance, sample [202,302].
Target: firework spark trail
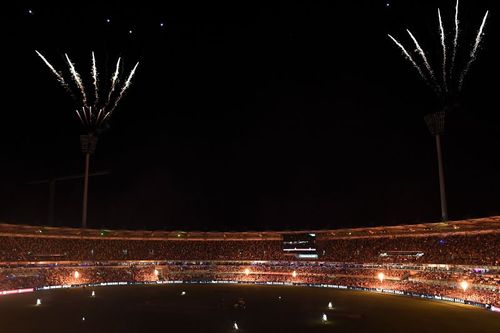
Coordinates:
[455,41]
[100,119]
[80,117]
[472,58]
[93,116]
[56,73]
[77,78]
[99,114]
[443,44]
[94,77]
[424,58]
[113,81]
[90,114]
[409,57]
[125,87]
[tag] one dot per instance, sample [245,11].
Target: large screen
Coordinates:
[301,245]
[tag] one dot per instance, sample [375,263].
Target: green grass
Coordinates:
[209,308]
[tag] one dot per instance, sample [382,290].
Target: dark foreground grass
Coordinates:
[209,308]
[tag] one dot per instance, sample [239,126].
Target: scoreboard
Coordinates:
[301,245]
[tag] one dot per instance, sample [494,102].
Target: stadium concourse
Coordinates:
[456,261]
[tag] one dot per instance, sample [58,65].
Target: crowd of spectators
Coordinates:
[481,287]
[41,248]
[480,249]
[433,265]
[16,278]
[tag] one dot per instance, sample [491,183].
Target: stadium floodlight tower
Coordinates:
[94,114]
[436,123]
[447,82]
[88,143]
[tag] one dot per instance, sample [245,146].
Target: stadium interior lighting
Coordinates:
[330,305]
[324,318]
[235,326]
[464,285]
[381,276]
[294,274]
[93,293]
[76,274]
[83,318]
[38,301]
[183,293]
[247,271]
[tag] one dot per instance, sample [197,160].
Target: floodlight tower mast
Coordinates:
[88,144]
[436,124]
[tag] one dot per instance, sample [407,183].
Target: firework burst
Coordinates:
[473,53]
[93,116]
[410,58]
[59,76]
[94,78]
[450,81]
[443,44]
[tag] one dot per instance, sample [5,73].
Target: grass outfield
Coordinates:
[209,308]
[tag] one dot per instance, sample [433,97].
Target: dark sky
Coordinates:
[247,115]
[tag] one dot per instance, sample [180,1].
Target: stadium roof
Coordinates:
[471,226]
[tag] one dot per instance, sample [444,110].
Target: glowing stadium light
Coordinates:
[93,293]
[83,318]
[247,271]
[156,272]
[235,326]
[330,305]
[76,274]
[464,285]
[324,318]
[381,276]
[38,302]
[183,293]
[294,274]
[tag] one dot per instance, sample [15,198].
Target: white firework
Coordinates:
[114,80]
[54,71]
[448,83]
[409,57]
[455,40]
[94,116]
[443,45]
[125,87]
[77,79]
[422,54]
[473,53]
[94,77]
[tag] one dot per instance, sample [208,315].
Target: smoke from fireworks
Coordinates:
[92,117]
[446,85]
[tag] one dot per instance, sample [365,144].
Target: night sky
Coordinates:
[247,115]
